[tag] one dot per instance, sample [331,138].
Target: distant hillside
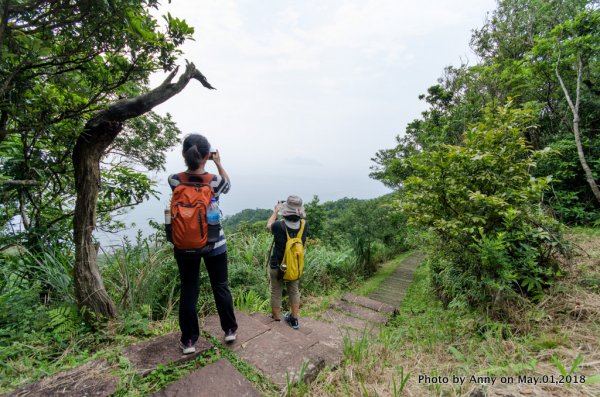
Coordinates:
[248,215]
[331,209]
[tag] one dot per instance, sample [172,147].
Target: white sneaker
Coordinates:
[230,336]
[187,348]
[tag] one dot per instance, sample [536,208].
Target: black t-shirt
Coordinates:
[278,230]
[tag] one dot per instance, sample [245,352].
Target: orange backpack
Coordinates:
[189,204]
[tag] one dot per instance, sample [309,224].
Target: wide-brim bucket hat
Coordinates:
[293,206]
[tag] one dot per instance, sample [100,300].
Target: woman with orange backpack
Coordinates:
[195,192]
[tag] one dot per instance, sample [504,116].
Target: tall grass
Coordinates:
[325,268]
[142,275]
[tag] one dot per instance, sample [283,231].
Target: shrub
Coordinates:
[494,239]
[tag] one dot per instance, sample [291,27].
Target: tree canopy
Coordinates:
[526,47]
[60,62]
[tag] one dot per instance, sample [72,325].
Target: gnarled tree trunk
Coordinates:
[99,132]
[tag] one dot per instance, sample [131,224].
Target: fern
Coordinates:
[64,321]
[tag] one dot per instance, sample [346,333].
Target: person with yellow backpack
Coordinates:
[286,263]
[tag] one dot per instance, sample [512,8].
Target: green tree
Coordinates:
[512,65]
[364,225]
[315,216]
[73,79]
[493,238]
[573,49]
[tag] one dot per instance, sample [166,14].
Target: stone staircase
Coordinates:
[281,353]
[393,289]
[284,354]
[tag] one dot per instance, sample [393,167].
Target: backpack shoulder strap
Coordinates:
[301,228]
[184,178]
[285,228]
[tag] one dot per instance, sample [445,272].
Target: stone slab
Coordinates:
[391,289]
[360,311]
[316,357]
[217,379]
[402,275]
[330,356]
[369,303]
[279,325]
[327,333]
[89,380]
[345,321]
[306,341]
[300,336]
[248,329]
[398,294]
[392,300]
[276,356]
[146,356]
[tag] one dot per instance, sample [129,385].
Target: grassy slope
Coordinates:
[426,339]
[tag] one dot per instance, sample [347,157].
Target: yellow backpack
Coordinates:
[292,264]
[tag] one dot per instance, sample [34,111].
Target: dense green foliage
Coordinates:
[60,62]
[493,238]
[488,179]
[522,45]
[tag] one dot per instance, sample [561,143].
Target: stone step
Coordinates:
[280,359]
[92,379]
[390,301]
[217,379]
[401,278]
[248,329]
[360,312]
[300,336]
[146,356]
[394,296]
[398,279]
[389,290]
[342,320]
[402,273]
[327,333]
[279,351]
[369,303]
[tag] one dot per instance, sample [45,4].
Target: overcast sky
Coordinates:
[308,91]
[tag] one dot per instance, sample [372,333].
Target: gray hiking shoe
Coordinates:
[292,321]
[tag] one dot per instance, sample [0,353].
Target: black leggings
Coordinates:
[189,272]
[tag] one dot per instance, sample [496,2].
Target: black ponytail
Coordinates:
[195,148]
